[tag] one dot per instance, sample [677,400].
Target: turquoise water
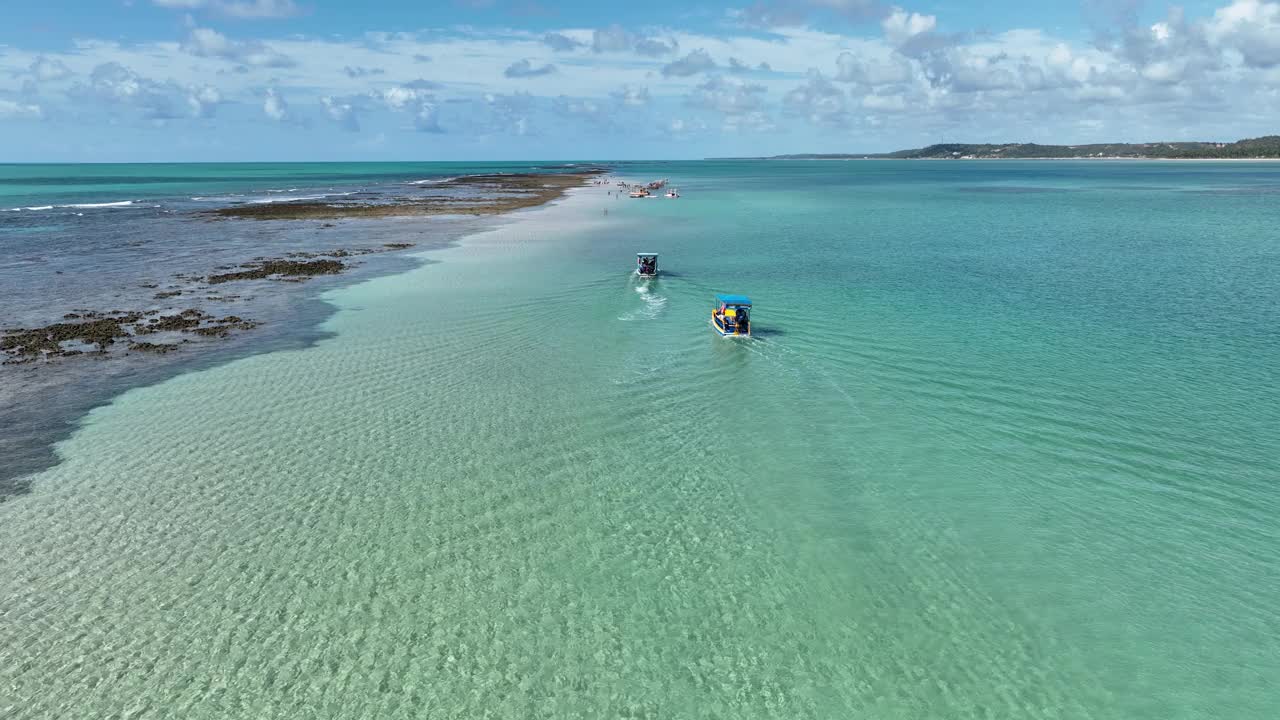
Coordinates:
[1004,445]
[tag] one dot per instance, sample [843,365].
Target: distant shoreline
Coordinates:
[1250,149]
[860,158]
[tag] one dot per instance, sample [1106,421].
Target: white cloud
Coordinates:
[887,70]
[620,109]
[614,38]
[755,121]
[818,100]
[782,13]
[583,107]
[680,127]
[10,110]
[206,42]
[425,120]
[884,103]
[359,72]
[900,26]
[1251,28]
[698,61]
[739,67]
[415,100]
[204,101]
[617,39]
[561,42]
[245,9]
[46,70]
[116,85]
[511,114]
[728,95]
[633,96]
[274,105]
[526,69]
[259,9]
[653,47]
[342,111]
[399,98]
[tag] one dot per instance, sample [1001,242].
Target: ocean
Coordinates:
[1004,444]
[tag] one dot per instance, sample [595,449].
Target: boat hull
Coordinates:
[720,328]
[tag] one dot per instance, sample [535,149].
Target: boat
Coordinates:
[673,193]
[647,264]
[640,193]
[732,315]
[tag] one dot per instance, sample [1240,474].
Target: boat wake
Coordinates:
[653,305]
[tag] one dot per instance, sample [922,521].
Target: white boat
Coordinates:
[673,193]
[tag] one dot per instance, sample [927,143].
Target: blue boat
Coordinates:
[732,315]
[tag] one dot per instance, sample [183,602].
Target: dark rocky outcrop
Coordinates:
[496,194]
[280,269]
[102,330]
[48,340]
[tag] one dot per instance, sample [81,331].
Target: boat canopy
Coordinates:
[734,300]
[646,254]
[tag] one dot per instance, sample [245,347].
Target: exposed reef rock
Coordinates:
[50,338]
[283,269]
[160,348]
[102,330]
[500,194]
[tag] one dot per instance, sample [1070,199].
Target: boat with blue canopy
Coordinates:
[732,315]
[647,264]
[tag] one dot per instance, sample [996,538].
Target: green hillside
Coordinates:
[1263,147]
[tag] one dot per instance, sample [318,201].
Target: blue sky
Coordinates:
[160,80]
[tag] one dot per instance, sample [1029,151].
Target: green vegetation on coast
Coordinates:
[1250,149]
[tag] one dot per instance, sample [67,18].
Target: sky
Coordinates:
[284,80]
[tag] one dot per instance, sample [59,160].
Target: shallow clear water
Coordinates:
[1004,446]
[133,237]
